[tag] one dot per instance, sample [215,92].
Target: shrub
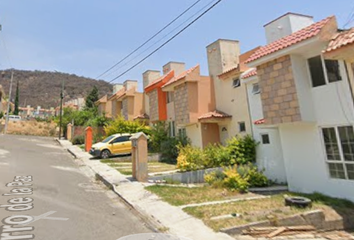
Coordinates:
[234,180]
[159,136]
[189,158]
[78,140]
[120,125]
[238,178]
[170,148]
[216,156]
[215,179]
[1,115]
[242,150]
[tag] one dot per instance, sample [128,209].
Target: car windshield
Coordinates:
[108,139]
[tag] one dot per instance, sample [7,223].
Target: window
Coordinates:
[265,139]
[316,70]
[182,132]
[256,89]
[242,126]
[320,77]
[121,139]
[339,146]
[172,129]
[236,83]
[333,73]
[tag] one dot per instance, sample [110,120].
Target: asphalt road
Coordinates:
[68,204]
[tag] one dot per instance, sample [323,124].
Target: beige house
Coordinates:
[126,101]
[104,106]
[189,97]
[226,64]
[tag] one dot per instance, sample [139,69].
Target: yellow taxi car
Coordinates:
[115,144]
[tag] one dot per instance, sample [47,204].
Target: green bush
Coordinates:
[190,158]
[78,140]
[216,156]
[159,136]
[242,150]
[1,115]
[237,178]
[120,125]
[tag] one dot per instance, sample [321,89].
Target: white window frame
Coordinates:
[340,62]
[341,161]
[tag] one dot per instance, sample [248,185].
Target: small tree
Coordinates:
[91,98]
[16,111]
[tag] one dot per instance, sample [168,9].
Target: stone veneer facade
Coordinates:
[278,91]
[154,105]
[125,108]
[181,104]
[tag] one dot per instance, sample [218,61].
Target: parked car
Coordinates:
[116,144]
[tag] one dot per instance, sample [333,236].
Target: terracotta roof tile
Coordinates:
[181,76]
[118,94]
[141,116]
[214,114]
[287,41]
[260,121]
[159,79]
[229,70]
[249,73]
[340,40]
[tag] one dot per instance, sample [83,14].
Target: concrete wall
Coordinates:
[125,108]
[286,25]
[148,77]
[178,67]
[195,135]
[305,163]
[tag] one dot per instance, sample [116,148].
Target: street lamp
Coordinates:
[8,103]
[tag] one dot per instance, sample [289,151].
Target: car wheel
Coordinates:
[105,154]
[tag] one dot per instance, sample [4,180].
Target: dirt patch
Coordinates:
[31,128]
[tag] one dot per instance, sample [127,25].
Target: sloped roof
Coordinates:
[249,73]
[159,79]
[292,39]
[181,76]
[141,116]
[214,114]
[259,122]
[341,39]
[118,94]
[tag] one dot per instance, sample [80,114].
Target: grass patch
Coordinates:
[178,196]
[250,211]
[264,209]
[126,167]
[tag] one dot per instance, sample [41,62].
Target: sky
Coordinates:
[86,37]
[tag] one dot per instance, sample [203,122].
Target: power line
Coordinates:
[165,43]
[152,45]
[147,41]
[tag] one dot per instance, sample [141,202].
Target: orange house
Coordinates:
[158,98]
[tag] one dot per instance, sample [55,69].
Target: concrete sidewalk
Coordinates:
[147,204]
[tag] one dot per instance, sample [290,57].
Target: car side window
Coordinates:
[117,140]
[126,138]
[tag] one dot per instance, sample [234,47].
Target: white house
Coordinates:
[304,113]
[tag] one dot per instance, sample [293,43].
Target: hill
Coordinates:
[41,88]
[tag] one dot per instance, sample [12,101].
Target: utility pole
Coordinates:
[61,108]
[8,103]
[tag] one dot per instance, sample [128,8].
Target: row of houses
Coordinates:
[294,95]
